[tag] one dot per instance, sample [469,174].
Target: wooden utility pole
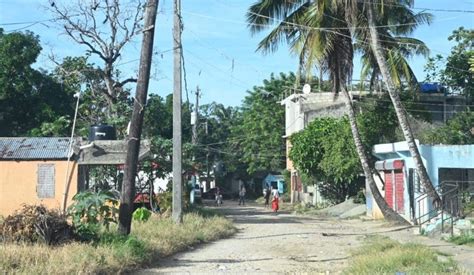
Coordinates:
[133,139]
[196,117]
[177,154]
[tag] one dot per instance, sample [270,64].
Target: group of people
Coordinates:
[267,193]
[242,193]
[273,192]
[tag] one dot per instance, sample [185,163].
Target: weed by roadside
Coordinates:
[158,237]
[464,239]
[382,255]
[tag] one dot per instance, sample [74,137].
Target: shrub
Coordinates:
[112,253]
[91,211]
[360,197]
[141,214]
[34,223]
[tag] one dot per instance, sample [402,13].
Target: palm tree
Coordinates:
[400,21]
[380,55]
[302,28]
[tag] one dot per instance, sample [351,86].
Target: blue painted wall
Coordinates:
[434,157]
[446,156]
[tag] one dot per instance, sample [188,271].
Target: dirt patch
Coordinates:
[282,243]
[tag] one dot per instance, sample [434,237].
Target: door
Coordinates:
[394,189]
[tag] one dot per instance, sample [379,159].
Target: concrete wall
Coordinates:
[373,209]
[434,158]
[18,181]
[446,156]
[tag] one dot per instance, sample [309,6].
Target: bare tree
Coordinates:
[104,27]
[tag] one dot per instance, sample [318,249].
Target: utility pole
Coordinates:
[133,139]
[195,119]
[177,140]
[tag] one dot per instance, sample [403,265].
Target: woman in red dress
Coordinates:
[275,199]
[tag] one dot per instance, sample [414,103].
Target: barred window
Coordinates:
[45,185]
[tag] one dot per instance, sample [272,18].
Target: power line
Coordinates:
[217,68]
[421,8]
[341,34]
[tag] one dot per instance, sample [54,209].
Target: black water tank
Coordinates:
[102,132]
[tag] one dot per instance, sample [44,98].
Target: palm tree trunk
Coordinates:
[388,212]
[399,110]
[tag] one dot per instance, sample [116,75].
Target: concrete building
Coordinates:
[33,170]
[448,166]
[300,110]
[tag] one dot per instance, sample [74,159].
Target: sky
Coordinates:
[219,51]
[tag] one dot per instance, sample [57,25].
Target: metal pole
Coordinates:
[67,182]
[177,139]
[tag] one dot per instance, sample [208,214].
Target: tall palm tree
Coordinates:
[400,21]
[305,27]
[380,55]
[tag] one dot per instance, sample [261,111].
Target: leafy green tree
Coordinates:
[257,139]
[459,130]
[213,150]
[158,119]
[30,99]
[453,70]
[324,150]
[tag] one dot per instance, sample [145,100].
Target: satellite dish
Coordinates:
[306,89]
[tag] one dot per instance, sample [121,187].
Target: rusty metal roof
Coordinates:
[31,148]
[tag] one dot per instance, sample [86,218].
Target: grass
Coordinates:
[463,239]
[384,256]
[149,241]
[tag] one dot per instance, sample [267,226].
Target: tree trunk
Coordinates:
[131,161]
[388,212]
[399,110]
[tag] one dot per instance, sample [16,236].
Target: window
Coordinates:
[45,185]
[416,180]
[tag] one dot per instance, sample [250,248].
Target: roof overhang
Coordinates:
[109,152]
[390,164]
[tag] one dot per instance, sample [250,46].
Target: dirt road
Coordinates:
[281,243]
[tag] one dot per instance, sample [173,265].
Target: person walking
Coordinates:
[242,195]
[275,200]
[266,196]
[218,196]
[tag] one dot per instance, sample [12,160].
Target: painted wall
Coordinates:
[373,209]
[446,156]
[18,181]
[434,157]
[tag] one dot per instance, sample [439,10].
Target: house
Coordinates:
[300,110]
[450,168]
[36,170]
[33,171]
[274,182]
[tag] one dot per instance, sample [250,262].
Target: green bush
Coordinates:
[360,197]
[92,211]
[141,214]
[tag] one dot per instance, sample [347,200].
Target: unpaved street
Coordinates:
[282,243]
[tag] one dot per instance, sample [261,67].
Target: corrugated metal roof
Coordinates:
[29,148]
